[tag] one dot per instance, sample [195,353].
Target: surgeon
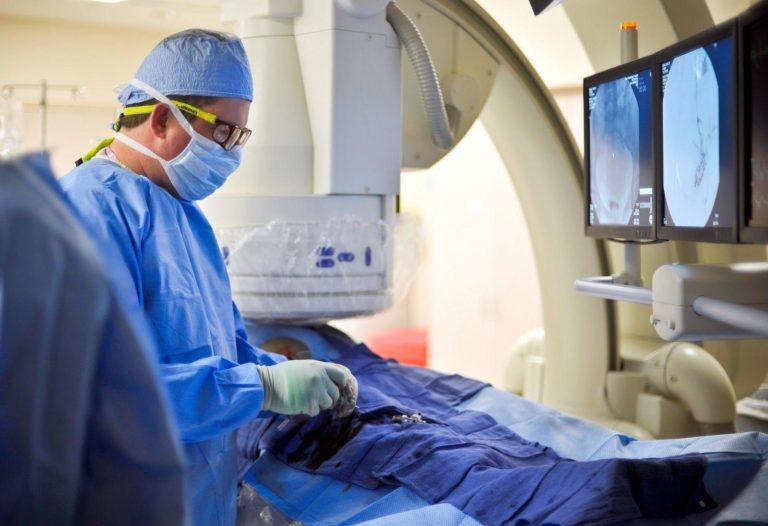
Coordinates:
[180,136]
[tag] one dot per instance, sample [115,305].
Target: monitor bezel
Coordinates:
[627,232]
[747,233]
[703,234]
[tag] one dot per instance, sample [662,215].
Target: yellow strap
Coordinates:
[183,106]
[96,149]
[138,110]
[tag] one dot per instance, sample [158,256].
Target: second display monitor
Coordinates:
[698,138]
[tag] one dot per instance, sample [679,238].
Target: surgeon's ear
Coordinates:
[158,120]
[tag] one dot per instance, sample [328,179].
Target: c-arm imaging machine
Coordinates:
[309,220]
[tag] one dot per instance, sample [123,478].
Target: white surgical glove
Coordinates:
[303,387]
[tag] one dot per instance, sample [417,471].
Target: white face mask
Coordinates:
[201,168]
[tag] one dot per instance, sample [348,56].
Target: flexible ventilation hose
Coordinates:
[429,86]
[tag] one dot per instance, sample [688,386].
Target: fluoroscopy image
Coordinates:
[614,152]
[622,176]
[698,137]
[691,139]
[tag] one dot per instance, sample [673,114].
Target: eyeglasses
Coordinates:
[227,135]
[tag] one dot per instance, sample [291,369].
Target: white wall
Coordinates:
[95,57]
[484,291]
[477,291]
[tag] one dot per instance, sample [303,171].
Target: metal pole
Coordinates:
[8,90]
[628,42]
[632,275]
[632,260]
[603,287]
[749,319]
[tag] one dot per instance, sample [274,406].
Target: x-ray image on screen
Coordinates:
[620,152]
[757,179]
[697,129]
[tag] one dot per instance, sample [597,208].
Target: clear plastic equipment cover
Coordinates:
[314,272]
[255,510]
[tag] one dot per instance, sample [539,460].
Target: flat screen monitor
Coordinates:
[619,152]
[698,144]
[754,85]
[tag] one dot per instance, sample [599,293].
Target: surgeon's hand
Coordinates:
[303,387]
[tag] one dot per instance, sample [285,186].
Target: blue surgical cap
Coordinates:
[195,62]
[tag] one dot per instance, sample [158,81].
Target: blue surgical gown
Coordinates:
[86,431]
[172,267]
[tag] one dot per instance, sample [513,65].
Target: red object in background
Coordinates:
[406,345]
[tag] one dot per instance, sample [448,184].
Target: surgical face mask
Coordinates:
[201,168]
